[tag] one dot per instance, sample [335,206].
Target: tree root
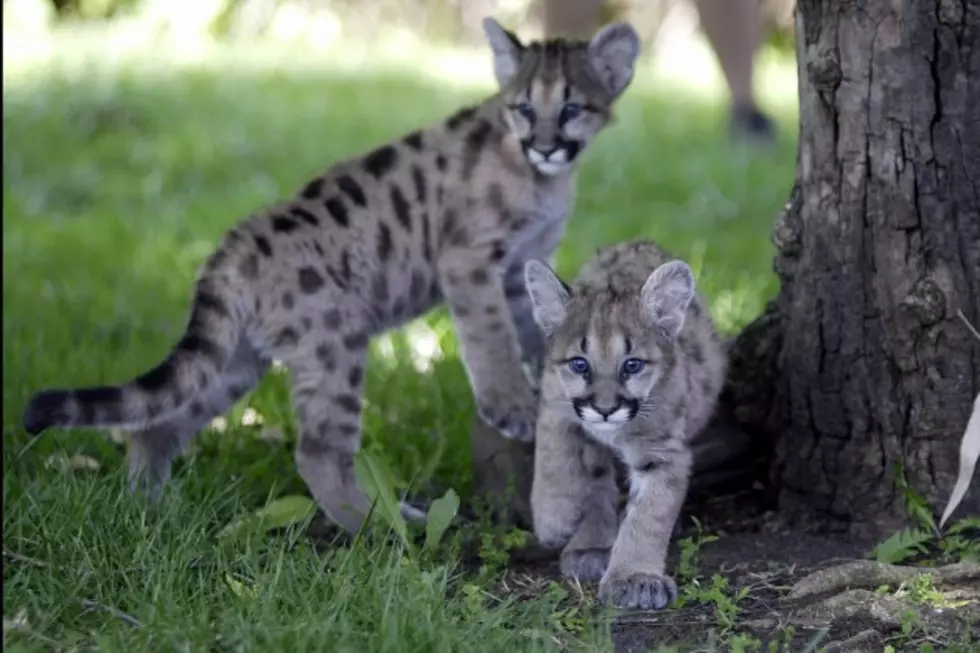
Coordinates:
[869,574]
[866,641]
[860,605]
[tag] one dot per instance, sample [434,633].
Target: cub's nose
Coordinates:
[547,151]
[606,411]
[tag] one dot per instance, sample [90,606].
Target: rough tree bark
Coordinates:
[861,362]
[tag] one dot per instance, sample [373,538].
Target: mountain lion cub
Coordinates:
[450,212]
[633,371]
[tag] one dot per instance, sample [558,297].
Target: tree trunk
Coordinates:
[861,361]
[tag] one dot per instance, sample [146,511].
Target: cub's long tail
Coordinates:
[213,330]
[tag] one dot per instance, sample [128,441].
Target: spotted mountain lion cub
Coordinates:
[450,213]
[633,371]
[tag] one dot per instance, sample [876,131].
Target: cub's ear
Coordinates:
[507,50]
[549,295]
[665,296]
[612,53]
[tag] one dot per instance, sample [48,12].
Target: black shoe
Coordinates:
[750,124]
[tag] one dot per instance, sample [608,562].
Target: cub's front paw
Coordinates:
[637,591]
[511,410]
[584,564]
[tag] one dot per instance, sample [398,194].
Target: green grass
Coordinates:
[119,174]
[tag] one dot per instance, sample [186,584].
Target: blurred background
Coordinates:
[136,131]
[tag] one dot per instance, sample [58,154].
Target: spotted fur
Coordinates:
[447,213]
[633,371]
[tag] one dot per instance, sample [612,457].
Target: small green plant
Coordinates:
[688,566]
[955,544]
[495,548]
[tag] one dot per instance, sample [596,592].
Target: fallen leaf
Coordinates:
[282,512]
[76,463]
[969,452]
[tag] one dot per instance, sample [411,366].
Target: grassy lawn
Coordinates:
[120,173]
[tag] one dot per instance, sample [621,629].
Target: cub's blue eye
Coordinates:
[579,365]
[570,111]
[632,366]
[527,111]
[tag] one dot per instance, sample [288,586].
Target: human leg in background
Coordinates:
[733,28]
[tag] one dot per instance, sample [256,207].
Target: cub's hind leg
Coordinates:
[152,450]
[574,497]
[327,369]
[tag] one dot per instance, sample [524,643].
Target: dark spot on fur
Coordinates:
[403,212]
[491,309]
[457,119]
[337,211]
[310,281]
[476,141]
[597,471]
[418,179]
[206,347]
[515,291]
[355,375]
[480,277]
[332,319]
[414,141]
[327,356]
[648,466]
[426,237]
[495,198]
[196,409]
[287,337]
[347,429]
[287,300]
[207,302]
[449,225]
[312,190]
[306,323]
[495,327]
[461,310]
[315,447]
[398,308]
[283,225]
[323,430]
[380,161]
[249,267]
[379,288]
[350,403]
[318,248]
[305,216]
[349,187]
[345,271]
[441,163]
[263,244]
[498,252]
[384,243]
[154,380]
[356,341]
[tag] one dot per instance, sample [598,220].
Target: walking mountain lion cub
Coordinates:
[450,212]
[633,371]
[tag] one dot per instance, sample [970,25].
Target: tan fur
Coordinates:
[633,371]
[449,213]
